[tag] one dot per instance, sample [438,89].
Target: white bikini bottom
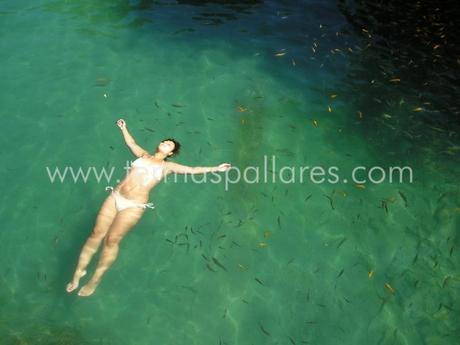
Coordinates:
[121,203]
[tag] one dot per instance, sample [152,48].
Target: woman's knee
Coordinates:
[112,240]
[97,233]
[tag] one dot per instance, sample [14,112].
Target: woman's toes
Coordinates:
[86,290]
[71,287]
[74,284]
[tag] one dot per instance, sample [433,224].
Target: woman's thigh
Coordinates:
[105,217]
[124,221]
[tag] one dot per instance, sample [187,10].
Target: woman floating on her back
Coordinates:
[124,207]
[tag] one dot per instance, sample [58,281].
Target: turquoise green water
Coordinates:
[299,267]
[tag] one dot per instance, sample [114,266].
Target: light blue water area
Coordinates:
[253,263]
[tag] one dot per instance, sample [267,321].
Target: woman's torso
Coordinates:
[143,175]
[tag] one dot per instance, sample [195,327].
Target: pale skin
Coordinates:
[112,225]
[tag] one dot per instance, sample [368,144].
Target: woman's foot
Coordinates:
[76,279]
[87,290]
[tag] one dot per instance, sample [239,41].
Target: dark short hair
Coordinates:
[176,150]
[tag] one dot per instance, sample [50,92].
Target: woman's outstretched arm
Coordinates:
[183,169]
[136,149]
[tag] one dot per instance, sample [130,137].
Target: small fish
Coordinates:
[445,281]
[360,114]
[242,267]
[290,261]
[341,242]
[395,80]
[391,199]
[360,186]
[177,105]
[221,236]
[156,104]
[333,96]
[308,197]
[370,274]
[102,81]
[264,330]
[390,288]
[259,281]
[149,129]
[418,109]
[329,109]
[293,62]
[262,244]
[385,206]
[241,109]
[280,54]
[279,221]
[292,341]
[403,197]
[210,268]
[341,272]
[218,264]
[331,202]
[315,123]
[189,288]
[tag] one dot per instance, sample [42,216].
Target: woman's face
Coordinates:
[166,147]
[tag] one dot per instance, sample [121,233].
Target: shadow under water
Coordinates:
[411,42]
[403,73]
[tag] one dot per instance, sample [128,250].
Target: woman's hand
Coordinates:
[121,123]
[224,167]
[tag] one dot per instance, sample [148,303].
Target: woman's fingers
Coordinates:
[121,123]
[225,166]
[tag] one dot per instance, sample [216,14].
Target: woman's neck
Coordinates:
[160,156]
